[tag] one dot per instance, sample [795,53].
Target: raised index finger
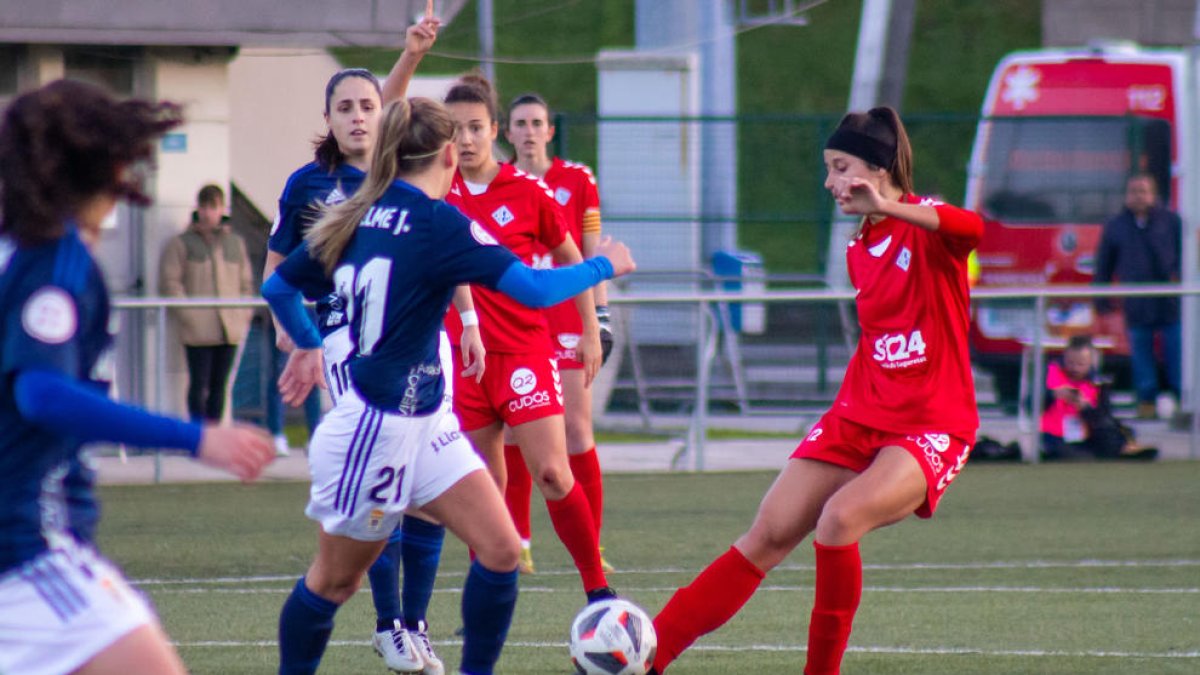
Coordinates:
[428,9]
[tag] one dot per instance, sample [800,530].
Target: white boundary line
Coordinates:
[767,648]
[1017,565]
[1108,590]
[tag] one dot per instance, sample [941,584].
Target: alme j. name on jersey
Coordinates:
[308,190]
[396,279]
[55,311]
[911,371]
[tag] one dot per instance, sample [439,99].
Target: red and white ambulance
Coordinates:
[1061,131]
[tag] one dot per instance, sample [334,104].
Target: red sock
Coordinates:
[518,490]
[839,588]
[572,519]
[586,469]
[705,605]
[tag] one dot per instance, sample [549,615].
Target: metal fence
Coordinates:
[795,366]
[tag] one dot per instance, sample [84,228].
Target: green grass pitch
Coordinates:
[1087,568]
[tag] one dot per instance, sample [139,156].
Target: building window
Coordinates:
[108,67]
[9,62]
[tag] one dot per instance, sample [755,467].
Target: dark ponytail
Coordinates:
[878,138]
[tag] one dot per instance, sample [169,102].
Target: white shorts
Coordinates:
[61,609]
[337,346]
[368,466]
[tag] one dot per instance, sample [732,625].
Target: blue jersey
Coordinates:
[56,318]
[308,189]
[396,278]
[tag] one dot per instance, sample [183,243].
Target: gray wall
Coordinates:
[310,23]
[1149,22]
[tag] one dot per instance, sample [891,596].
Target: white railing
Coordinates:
[708,335]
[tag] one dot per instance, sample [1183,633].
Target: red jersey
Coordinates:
[520,212]
[574,188]
[911,371]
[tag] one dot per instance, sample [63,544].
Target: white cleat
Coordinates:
[432,664]
[398,650]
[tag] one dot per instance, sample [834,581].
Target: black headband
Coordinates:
[867,148]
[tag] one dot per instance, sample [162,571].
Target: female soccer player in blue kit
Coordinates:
[66,153]
[354,101]
[394,253]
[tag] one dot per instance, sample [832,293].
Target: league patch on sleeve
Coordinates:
[49,316]
[481,235]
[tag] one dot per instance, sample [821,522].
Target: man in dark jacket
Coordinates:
[1142,245]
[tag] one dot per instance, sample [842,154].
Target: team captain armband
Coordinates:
[956,222]
[591,221]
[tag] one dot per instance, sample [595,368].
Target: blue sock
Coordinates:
[421,548]
[384,575]
[305,623]
[487,609]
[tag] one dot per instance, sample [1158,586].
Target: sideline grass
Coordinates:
[1091,568]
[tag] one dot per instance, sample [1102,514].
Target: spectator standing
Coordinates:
[207,260]
[1141,244]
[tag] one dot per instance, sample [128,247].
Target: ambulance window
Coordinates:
[1053,170]
[1152,147]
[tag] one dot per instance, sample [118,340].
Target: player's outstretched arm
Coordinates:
[418,40]
[543,288]
[58,403]
[242,450]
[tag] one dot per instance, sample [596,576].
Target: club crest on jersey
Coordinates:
[522,381]
[482,236]
[904,259]
[562,195]
[503,216]
[49,316]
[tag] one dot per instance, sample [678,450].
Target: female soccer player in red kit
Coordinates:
[903,423]
[574,188]
[520,386]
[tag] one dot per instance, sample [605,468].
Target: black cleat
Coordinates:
[602,593]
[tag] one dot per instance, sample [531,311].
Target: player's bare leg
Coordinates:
[489,443]
[581,445]
[543,443]
[143,651]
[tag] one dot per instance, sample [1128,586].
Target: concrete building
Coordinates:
[250,74]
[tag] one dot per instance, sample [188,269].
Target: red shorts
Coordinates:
[516,388]
[839,441]
[565,329]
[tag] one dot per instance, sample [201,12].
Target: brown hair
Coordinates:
[529,99]
[474,88]
[878,138]
[210,195]
[327,153]
[411,135]
[67,142]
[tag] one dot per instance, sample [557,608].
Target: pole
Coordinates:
[487,40]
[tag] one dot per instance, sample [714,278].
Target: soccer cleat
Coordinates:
[604,564]
[602,593]
[398,650]
[525,565]
[432,665]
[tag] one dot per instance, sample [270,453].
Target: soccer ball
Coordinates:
[613,637]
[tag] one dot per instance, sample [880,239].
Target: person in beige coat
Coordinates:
[208,260]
